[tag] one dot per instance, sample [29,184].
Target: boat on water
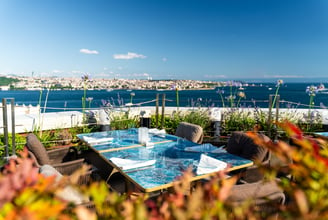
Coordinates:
[322,89]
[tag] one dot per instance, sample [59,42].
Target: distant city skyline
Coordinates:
[221,40]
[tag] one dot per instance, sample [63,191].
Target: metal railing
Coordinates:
[5,127]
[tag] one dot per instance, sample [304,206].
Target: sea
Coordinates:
[292,95]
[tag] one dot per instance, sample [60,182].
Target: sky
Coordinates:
[165,39]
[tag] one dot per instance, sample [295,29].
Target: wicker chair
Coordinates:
[62,159]
[242,145]
[190,131]
[267,196]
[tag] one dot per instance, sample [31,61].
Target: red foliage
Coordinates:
[18,174]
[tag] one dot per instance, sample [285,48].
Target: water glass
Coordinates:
[206,148]
[160,157]
[143,136]
[181,143]
[116,135]
[144,154]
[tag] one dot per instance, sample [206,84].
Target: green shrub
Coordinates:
[19,143]
[171,122]
[123,121]
[239,119]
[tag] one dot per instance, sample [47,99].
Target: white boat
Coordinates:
[322,88]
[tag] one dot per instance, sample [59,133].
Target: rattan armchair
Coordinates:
[267,196]
[62,159]
[242,145]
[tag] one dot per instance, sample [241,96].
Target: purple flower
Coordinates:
[192,103]
[233,84]
[85,77]
[220,91]
[89,99]
[113,101]
[311,90]
[105,103]
[230,97]
[254,101]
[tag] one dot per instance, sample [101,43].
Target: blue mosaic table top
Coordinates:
[170,153]
[322,133]
[122,139]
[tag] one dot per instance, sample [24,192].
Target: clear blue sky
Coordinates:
[165,39]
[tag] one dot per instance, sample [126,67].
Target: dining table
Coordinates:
[323,134]
[156,164]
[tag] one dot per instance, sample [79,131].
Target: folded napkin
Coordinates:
[219,150]
[92,140]
[127,164]
[209,164]
[156,131]
[204,148]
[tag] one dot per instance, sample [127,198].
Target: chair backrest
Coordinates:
[36,147]
[190,131]
[242,145]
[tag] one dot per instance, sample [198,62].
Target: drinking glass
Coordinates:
[116,136]
[143,136]
[181,143]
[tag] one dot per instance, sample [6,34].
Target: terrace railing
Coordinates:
[5,127]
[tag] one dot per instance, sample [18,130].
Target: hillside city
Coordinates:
[74,83]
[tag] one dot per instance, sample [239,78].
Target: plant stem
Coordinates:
[222,100]
[275,96]
[238,102]
[40,98]
[177,97]
[84,100]
[44,110]
[231,103]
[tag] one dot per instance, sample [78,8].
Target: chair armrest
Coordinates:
[64,154]
[67,168]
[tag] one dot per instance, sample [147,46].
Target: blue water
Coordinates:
[292,94]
